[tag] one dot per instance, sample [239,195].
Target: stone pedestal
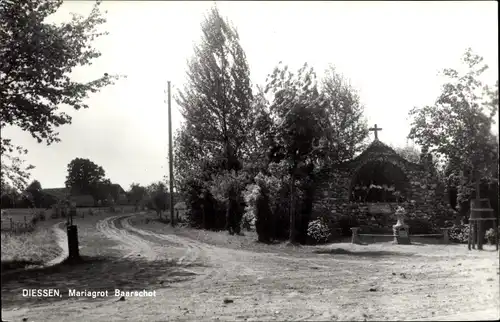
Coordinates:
[401,234]
[446,235]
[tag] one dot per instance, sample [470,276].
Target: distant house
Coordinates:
[61,194]
[122,195]
[180,210]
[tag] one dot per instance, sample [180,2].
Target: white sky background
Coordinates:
[391,52]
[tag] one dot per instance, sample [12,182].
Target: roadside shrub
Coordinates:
[459,234]
[491,235]
[420,226]
[227,188]
[318,230]
[263,222]
[250,196]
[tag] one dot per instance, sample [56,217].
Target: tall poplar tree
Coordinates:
[216,105]
[216,100]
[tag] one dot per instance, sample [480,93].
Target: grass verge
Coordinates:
[22,250]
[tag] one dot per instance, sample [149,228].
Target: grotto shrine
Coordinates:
[365,192]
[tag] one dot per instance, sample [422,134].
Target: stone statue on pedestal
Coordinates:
[400,229]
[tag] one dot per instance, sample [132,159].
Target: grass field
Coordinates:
[22,250]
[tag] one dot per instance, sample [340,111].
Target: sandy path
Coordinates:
[135,245]
[413,282]
[435,274]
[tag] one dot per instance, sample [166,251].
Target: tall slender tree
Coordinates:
[215,101]
[347,128]
[216,105]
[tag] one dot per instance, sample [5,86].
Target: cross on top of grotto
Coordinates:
[375,129]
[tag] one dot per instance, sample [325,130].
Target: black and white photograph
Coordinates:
[249,160]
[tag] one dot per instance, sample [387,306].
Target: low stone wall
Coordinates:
[422,218]
[441,238]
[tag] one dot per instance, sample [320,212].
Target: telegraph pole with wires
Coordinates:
[170,157]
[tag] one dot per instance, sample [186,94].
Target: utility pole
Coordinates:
[170,158]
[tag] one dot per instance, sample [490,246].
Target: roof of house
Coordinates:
[117,186]
[60,193]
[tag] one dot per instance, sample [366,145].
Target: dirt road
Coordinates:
[341,282]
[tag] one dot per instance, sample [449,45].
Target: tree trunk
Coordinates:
[293,230]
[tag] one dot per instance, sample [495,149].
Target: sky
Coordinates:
[391,52]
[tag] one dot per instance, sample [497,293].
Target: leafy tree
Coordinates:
[158,197]
[299,125]
[36,60]
[347,128]
[9,197]
[84,176]
[137,194]
[227,188]
[216,100]
[13,170]
[216,105]
[458,127]
[408,152]
[34,193]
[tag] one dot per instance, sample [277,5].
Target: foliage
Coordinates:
[458,126]
[137,194]
[216,105]
[459,234]
[34,193]
[158,196]
[420,226]
[347,128]
[10,196]
[298,114]
[259,206]
[85,177]
[318,230]
[491,235]
[13,171]
[250,195]
[287,132]
[408,152]
[215,101]
[227,188]
[222,184]
[36,60]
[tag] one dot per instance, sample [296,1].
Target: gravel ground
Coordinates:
[195,280]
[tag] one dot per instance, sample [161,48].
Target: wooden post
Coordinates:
[11,224]
[469,242]
[495,226]
[480,234]
[25,223]
[355,237]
